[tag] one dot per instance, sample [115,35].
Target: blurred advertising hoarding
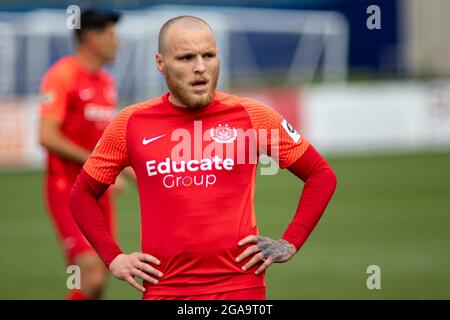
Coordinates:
[378,117]
[18,133]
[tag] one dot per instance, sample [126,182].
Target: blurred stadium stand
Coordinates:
[254,51]
[369,53]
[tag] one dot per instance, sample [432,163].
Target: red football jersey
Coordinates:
[83,102]
[196,195]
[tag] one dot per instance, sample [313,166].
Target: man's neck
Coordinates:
[88,60]
[175,101]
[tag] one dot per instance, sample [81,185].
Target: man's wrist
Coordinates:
[294,248]
[290,243]
[108,260]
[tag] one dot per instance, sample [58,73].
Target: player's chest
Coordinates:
[92,101]
[217,141]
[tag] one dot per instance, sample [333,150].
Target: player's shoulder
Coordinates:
[62,71]
[251,105]
[64,65]
[126,112]
[233,99]
[106,76]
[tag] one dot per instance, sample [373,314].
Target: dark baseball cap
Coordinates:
[95,19]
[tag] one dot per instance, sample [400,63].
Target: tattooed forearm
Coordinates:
[276,250]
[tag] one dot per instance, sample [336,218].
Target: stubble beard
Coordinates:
[192,100]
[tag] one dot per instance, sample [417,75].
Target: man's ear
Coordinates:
[160,63]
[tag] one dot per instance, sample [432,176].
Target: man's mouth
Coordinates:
[199,84]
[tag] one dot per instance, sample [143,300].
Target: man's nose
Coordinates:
[199,65]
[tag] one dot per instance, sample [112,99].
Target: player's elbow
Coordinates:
[78,195]
[49,133]
[46,138]
[42,137]
[44,141]
[331,179]
[74,201]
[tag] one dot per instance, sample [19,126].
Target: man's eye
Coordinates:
[185,58]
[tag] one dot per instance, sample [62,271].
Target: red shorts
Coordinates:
[258,293]
[72,240]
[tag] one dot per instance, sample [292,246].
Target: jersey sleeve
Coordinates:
[110,155]
[276,137]
[53,95]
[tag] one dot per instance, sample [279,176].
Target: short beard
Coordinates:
[191,101]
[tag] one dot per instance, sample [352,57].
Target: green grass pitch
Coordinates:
[390,211]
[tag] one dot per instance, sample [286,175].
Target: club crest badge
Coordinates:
[47,97]
[223,134]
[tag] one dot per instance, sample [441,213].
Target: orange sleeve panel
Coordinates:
[110,156]
[274,133]
[54,91]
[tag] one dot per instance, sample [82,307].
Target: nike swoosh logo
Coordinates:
[147,141]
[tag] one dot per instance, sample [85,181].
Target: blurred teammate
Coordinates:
[199,234]
[78,99]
